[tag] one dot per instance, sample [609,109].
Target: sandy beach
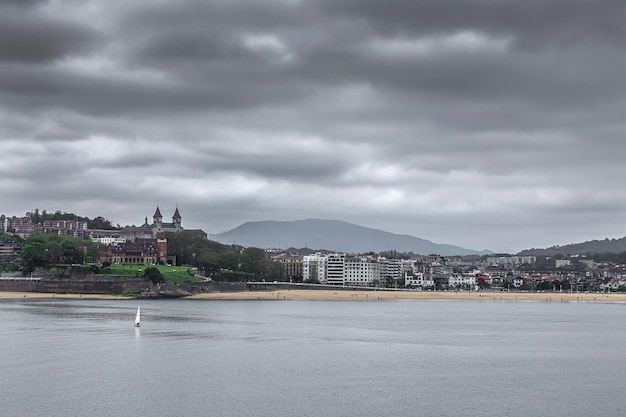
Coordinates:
[410,295]
[342,295]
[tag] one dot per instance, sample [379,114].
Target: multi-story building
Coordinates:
[9,250]
[464,281]
[337,269]
[19,226]
[511,260]
[434,259]
[314,268]
[559,263]
[335,266]
[69,228]
[419,280]
[143,253]
[106,237]
[362,271]
[24,227]
[292,265]
[391,269]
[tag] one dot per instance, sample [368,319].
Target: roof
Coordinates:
[157,213]
[142,228]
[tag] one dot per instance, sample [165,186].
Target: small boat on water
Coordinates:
[138,317]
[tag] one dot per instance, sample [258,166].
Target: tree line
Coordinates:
[213,259]
[99,222]
[223,262]
[42,250]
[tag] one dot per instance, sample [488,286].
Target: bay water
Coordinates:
[79,357]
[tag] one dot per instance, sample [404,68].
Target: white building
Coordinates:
[562,262]
[314,267]
[335,265]
[418,279]
[462,281]
[108,240]
[391,268]
[362,271]
[511,260]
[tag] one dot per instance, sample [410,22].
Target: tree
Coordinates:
[253,260]
[33,255]
[100,223]
[154,275]
[36,217]
[73,252]
[178,244]
[93,254]
[208,262]
[274,271]
[228,259]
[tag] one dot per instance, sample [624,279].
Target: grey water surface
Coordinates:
[311,358]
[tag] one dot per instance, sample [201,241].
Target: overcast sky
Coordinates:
[494,124]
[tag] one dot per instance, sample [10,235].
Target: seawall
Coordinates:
[103,284]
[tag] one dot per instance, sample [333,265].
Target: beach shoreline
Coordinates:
[408,295]
[347,295]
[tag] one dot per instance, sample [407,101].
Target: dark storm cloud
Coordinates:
[24,38]
[537,23]
[422,117]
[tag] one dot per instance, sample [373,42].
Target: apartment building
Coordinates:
[465,281]
[9,250]
[20,226]
[69,228]
[337,269]
[391,269]
[292,264]
[335,266]
[314,268]
[418,279]
[362,271]
[511,260]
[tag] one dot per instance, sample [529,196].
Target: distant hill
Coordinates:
[333,235]
[592,246]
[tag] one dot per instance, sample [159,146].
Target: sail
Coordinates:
[138,317]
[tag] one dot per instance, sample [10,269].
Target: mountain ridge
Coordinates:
[334,235]
[588,247]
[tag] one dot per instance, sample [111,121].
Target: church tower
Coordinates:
[176,218]
[158,220]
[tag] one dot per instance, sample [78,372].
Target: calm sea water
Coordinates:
[311,358]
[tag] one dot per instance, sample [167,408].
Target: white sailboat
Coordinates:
[138,317]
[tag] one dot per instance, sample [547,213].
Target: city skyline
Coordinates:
[486,125]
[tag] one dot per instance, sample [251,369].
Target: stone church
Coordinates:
[158,228]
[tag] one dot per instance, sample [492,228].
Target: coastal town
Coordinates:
[151,244]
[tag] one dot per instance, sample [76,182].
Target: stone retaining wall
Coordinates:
[117,285]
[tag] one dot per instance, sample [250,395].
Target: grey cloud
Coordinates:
[535,23]
[175,49]
[298,168]
[28,39]
[382,108]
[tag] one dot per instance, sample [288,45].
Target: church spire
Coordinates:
[177,220]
